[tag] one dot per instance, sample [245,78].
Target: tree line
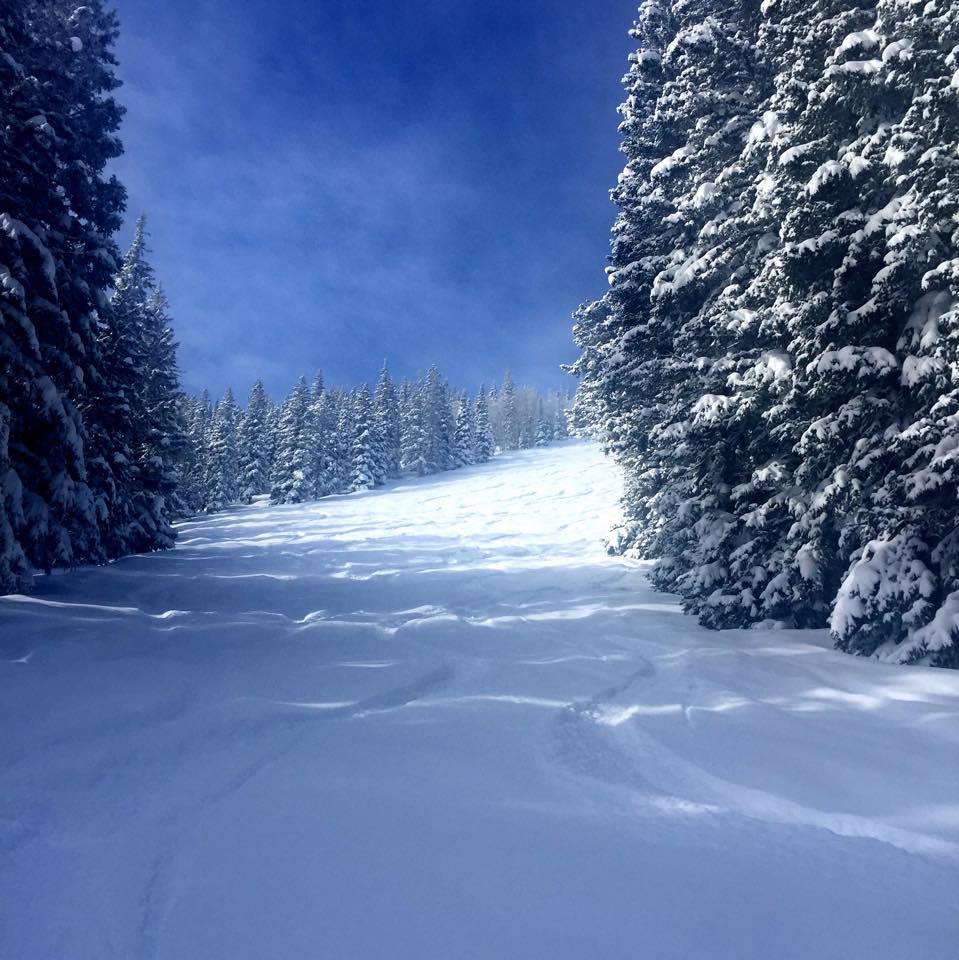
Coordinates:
[87,364]
[322,440]
[776,361]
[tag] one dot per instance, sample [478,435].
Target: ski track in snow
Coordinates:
[438,721]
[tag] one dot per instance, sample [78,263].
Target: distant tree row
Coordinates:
[322,440]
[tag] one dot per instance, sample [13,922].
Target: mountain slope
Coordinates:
[438,721]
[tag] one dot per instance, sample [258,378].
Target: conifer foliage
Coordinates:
[89,417]
[774,363]
[254,447]
[327,441]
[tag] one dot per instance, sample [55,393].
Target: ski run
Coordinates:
[438,721]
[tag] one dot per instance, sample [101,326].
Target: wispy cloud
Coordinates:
[311,209]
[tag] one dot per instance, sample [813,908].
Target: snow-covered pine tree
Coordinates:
[110,408]
[624,384]
[544,429]
[253,446]
[292,480]
[272,434]
[559,408]
[464,442]
[414,448]
[364,453]
[386,425]
[900,597]
[774,363]
[436,420]
[483,445]
[510,425]
[222,477]
[714,86]
[332,444]
[317,431]
[160,429]
[197,415]
[342,449]
[837,288]
[527,402]
[58,211]
[138,398]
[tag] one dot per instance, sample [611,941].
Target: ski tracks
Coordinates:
[605,745]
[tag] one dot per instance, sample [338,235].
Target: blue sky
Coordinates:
[332,182]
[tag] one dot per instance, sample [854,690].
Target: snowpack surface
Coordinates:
[438,721]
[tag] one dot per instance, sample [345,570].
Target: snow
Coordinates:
[866,361]
[941,631]
[704,32]
[862,39]
[895,207]
[765,129]
[865,67]
[826,172]
[712,407]
[897,50]
[795,153]
[10,283]
[918,370]
[15,229]
[439,721]
[705,193]
[857,165]
[666,165]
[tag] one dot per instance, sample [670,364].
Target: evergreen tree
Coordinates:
[293,481]
[544,429]
[364,453]
[111,411]
[510,428]
[622,383]
[527,425]
[58,212]
[342,450]
[221,486]
[899,596]
[414,456]
[272,434]
[334,443]
[197,414]
[771,362]
[253,446]
[483,445]
[386,426]
[139,398]
[161,437]
[464,442]
[317,430]
[438,424]
[189,497]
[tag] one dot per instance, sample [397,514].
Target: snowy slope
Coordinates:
[439,722]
